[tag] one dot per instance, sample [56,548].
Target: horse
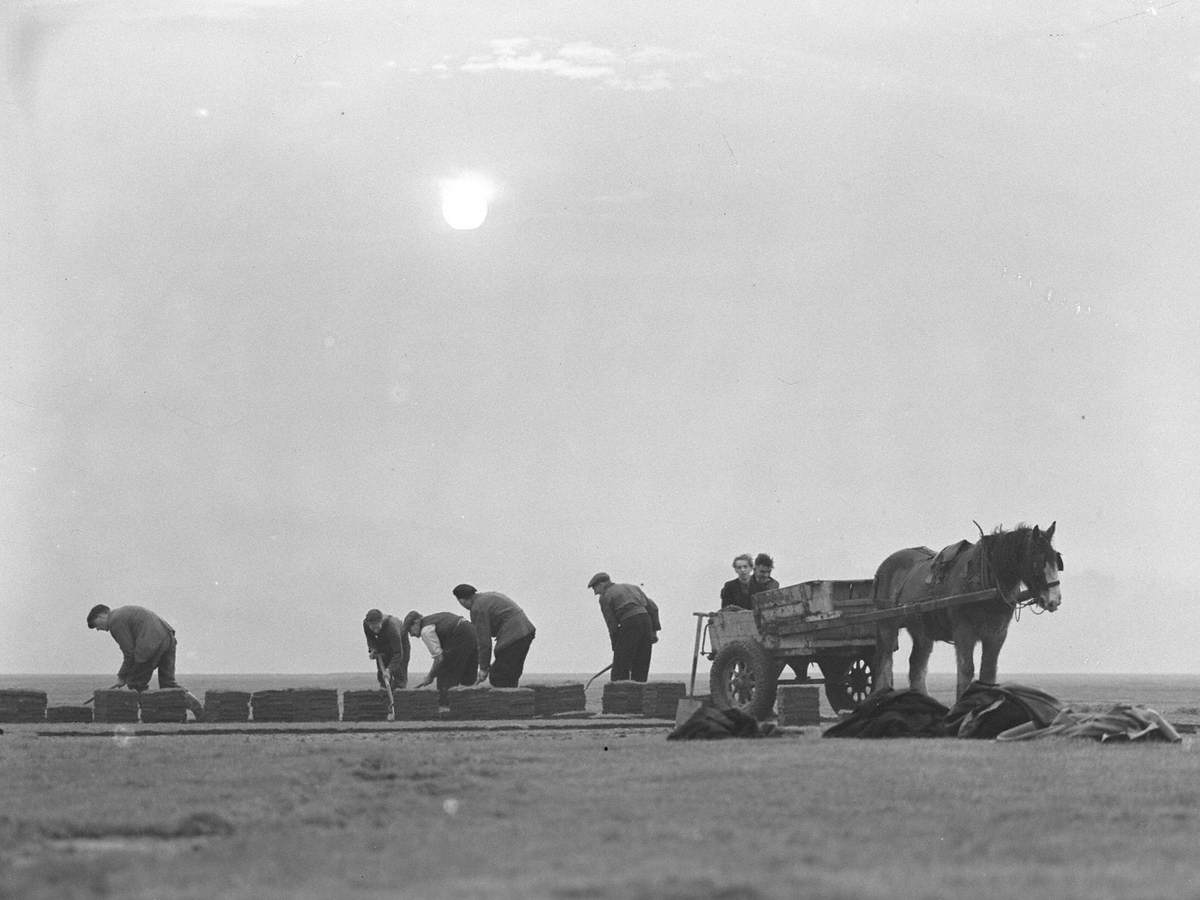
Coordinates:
[1003,560]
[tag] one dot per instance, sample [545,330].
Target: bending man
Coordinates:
[451,642]
[387,643]
[496,616]
[148,643]
[633,626]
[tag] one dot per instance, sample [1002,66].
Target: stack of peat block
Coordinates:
[661,698]
[622,698]
[226,706]
[116,706]
[798,704]
[60,714]
[483,702]
[553,699]
[415,706]
[295,705]
[163,706]
[366,706]
[22,706]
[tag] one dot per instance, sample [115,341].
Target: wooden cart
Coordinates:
[827,624]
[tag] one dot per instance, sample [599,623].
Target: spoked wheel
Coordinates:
[743,676]
[848,680]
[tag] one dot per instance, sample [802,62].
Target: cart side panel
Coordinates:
[782,612]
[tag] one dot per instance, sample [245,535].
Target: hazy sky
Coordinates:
[806,279]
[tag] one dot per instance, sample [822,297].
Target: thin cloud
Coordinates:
[632,68]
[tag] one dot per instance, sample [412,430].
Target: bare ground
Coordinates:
[566,813]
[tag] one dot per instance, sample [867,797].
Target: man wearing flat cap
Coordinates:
[387,644]
[147,643]
[633,626]
[496,616]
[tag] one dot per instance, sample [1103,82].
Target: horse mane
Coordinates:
[1005,551]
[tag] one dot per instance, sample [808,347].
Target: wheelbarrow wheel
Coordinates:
[745,677]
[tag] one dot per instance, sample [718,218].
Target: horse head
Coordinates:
[1042,565]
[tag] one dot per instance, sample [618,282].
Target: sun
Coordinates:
[465,201]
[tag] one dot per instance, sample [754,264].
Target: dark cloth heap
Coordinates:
[163,706]
[711,723]
[660,699]
[115,706]
[986,710]
[622,697]
[798,704]
[62,714]
[553,699]
[22,706]
[365,706]
[416,706]
[485,702]
[295,705]
[893,714]
[226,706]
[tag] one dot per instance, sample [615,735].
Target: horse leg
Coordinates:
[989,656]
[918,660]
[885,646]
[964,652]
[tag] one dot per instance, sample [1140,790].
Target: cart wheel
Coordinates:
[848,680]
[743,676]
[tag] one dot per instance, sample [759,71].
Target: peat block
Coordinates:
[483,702]
[798,704]
[295,705]
[552,699]
[116,706]
[660,699]
[364,706]
[622,697]
[226,706]
[22,706]
[416,706]
[163,706]
[68,714]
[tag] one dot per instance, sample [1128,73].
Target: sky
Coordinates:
[812,280]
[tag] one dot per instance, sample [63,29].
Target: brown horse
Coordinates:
[1004,560]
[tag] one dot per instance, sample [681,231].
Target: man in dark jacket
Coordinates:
[633,626]
[148,643]
[387,643]
[496,616]
[451,642]
[736,591]
[762,580]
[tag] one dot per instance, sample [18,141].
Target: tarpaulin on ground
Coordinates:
[710,723]
[1123,722]
[985,710]
[893,714]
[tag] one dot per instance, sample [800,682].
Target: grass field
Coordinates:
[620,813]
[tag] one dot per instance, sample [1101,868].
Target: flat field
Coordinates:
[618,813]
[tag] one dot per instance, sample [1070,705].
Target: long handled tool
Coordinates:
[93,697]
[597,675]
[386,677]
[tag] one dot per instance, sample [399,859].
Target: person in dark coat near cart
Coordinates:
[633,626]
[736,592]
[451,642]
[387,643]
[762,580]
[148,643]
[497,616]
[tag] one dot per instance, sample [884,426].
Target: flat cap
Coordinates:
[598,578]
